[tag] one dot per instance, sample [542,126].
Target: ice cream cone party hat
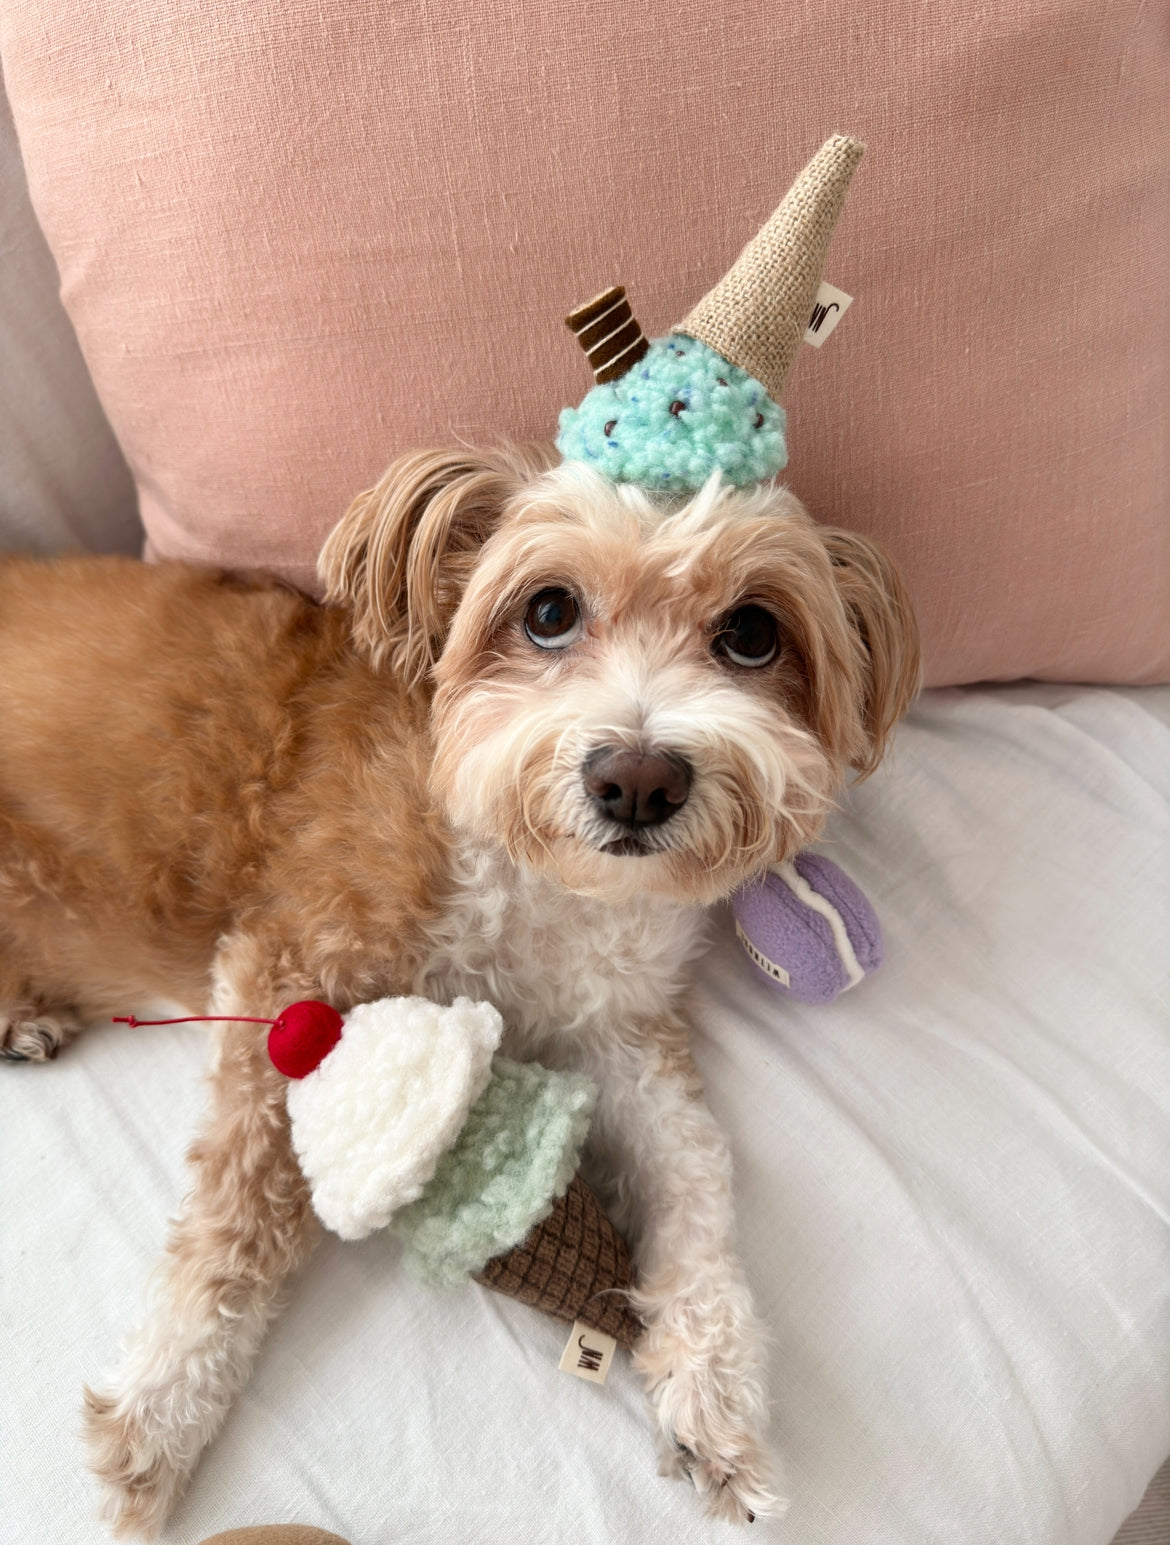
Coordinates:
[706,398]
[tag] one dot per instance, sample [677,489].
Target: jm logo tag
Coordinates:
[588,1354]
[830,306]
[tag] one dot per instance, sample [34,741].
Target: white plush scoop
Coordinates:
[372,1122]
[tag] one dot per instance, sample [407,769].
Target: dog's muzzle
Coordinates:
[636,789]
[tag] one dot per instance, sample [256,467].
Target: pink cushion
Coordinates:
[296,239]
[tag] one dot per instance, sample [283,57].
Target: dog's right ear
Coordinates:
[885,632]
[402,554]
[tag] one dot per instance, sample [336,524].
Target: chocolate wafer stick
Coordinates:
[606,329]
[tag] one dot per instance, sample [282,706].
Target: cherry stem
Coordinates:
[193,1019]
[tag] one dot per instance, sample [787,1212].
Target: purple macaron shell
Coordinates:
[790,934]
[830,881]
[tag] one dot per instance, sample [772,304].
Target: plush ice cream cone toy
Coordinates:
[706,398]
[403,1117]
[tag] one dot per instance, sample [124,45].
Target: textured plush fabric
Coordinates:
[681,413]
[808,929]
[858,918]
[63,481]
[299,236]
[515,1154]
[373,1122]
[953,1194]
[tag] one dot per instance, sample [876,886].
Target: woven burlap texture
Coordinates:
[573,1266]
[757,314]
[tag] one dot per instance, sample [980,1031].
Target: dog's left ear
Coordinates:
[885,630]
[403,552]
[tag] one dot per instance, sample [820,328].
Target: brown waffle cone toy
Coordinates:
[573,1266]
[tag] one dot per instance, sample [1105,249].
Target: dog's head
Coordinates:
[630,694]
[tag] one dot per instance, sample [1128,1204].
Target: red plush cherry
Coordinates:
[302,1037]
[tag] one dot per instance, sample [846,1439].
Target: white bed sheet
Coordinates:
[954,1191]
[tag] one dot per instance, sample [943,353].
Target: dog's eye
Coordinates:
[552,620]
[749,637]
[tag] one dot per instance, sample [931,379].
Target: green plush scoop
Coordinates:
[516,1153]
[680,414]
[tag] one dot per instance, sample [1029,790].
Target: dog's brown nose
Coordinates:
[637,788]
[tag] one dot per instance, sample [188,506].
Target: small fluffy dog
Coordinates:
[542,722]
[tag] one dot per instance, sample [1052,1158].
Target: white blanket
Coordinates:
[954,1193]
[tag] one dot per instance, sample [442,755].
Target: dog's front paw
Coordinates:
[710,1410]
[736,1486]
[141,1474]
[33,1037]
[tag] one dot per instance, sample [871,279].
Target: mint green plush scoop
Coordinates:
[680,414]
[517,1152]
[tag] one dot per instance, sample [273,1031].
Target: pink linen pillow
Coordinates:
[297,238]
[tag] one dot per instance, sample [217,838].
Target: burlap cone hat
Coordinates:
[705,399]
[757,314]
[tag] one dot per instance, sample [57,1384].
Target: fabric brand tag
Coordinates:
[829,307]
[588,1354]
[777,973]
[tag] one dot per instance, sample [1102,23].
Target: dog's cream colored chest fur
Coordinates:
[561,968]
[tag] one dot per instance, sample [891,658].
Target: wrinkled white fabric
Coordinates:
[953,1183]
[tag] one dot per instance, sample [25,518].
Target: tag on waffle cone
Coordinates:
[573,1266]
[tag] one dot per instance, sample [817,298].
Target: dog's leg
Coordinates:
[245,1226]
[702,1352]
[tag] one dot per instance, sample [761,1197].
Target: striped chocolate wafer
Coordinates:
[605,328]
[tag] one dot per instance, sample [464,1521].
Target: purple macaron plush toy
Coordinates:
[808,929]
